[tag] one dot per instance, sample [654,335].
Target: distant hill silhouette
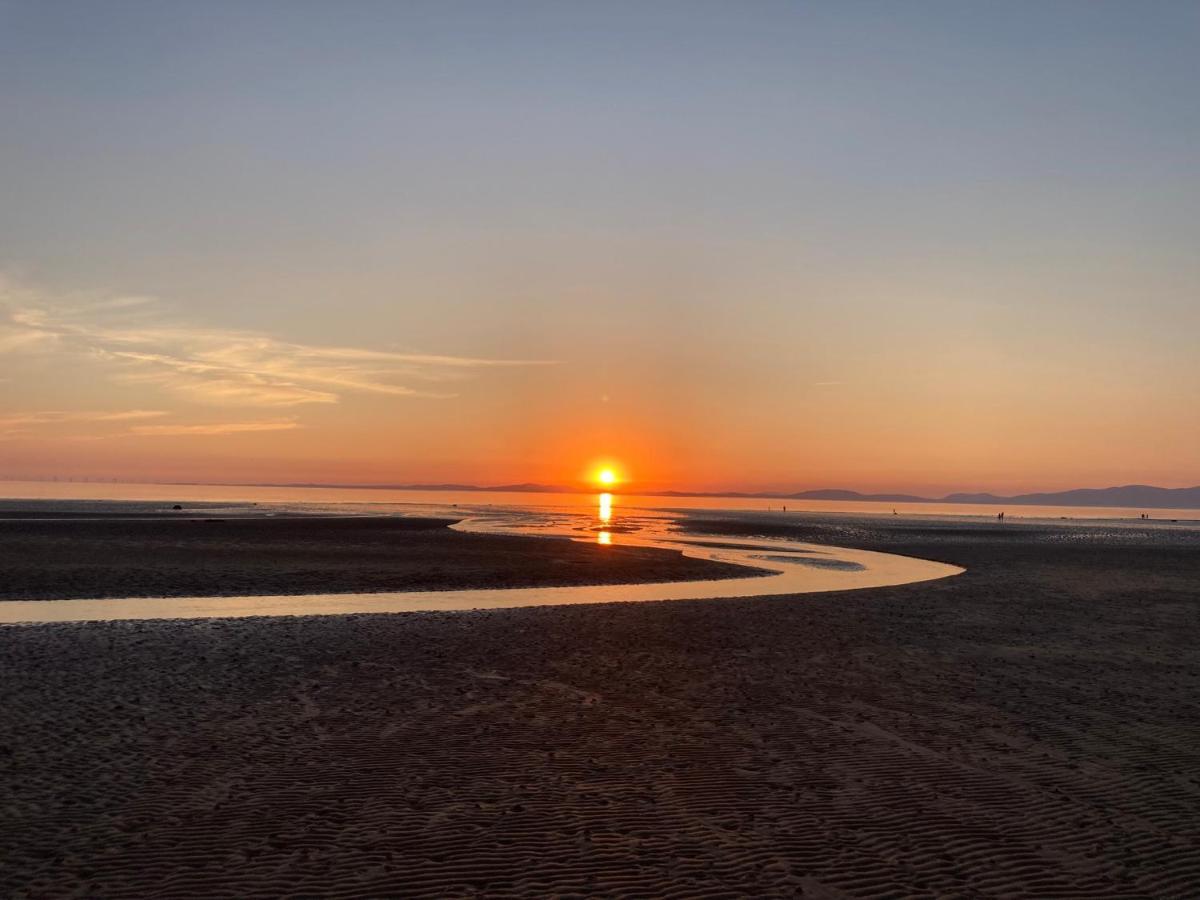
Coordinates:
[830,494]
[1135,495]
[1129,495]
[1126,495]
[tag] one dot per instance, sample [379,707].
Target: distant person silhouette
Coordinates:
[1000,517]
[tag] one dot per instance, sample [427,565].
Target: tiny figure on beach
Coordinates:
[1000,517]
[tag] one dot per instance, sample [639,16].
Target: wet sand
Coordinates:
[1029,728]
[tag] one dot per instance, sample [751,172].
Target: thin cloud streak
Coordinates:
[220,366]
[211,429]
[48,417]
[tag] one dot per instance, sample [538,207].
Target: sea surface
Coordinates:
[354,497]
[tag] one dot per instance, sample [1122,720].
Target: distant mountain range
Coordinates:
[1134,495]
[1129,495]
[1126,495]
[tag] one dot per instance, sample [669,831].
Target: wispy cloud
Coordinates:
[212,429]
[219,366]
[50,417]
[31,426]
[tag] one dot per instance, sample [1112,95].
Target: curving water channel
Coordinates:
[774,568]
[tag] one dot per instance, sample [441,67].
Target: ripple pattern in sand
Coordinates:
[743,748]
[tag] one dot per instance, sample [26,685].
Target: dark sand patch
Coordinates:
[1030,728]
[45,558]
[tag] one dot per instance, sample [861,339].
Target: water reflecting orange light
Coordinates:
[604,514]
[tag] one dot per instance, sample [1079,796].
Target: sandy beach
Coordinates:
[1029,728]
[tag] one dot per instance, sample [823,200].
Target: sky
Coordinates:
[914,246]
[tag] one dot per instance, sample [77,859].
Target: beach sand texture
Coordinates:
[1027,729]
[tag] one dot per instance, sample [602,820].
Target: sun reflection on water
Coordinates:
[604,514]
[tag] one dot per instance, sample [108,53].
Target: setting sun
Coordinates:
[606,476]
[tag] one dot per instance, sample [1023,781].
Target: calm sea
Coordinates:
[222,493]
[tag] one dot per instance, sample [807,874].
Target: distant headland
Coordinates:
[1129,495]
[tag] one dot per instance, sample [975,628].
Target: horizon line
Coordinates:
[826,494]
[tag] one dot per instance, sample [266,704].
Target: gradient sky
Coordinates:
[901,245]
